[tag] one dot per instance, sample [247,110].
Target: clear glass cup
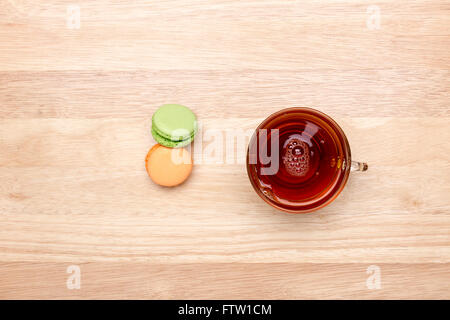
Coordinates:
[299,160]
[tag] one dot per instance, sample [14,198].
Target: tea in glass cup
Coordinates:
[299,160]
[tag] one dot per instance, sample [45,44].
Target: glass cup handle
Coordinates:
[359,166]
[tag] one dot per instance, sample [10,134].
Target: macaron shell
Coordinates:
[173,137]
[169,143]
[168,167]
[174,122]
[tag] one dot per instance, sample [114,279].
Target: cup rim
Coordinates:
[347,151]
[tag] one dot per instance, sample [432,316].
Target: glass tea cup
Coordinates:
[299,160]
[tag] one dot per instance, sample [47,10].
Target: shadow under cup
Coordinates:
[298,160]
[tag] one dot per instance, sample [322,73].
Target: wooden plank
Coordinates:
[406,92]
[223,35]
[220,281]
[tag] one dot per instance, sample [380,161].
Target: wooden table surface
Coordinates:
[75,113]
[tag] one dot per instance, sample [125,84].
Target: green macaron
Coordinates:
[174,125]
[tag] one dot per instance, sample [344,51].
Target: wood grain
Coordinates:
[75,112]
[224,280]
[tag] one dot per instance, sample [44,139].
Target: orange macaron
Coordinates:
[168,167]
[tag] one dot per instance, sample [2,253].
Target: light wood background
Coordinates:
[75,112]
